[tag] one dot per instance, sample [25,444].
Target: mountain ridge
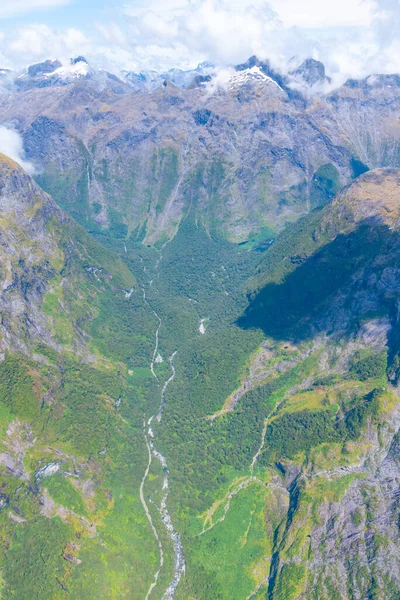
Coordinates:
[200,147]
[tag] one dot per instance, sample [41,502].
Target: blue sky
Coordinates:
[75,13]
[353,37]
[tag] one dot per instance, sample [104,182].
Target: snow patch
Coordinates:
[76,71]
[253,75]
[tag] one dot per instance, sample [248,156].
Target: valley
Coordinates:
[243,483]
[179,559]
[199,340]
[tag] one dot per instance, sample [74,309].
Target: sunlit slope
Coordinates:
[71,406]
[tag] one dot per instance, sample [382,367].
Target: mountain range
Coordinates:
[250,156]
[200,339]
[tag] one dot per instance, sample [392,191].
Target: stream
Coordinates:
[154,454]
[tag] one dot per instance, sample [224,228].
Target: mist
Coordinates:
[11,144]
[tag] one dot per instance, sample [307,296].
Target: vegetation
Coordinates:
[368,367]
[356,416]
[16,388]
[78,406]
[71,424]
[325,185]
[35,567]
[298,432]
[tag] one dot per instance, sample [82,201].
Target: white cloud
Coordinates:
[217,30]
[352,37]
[12,146]
[341,13]
[37,42]
[111,33]
[220,80]
[345,34]
[12,8]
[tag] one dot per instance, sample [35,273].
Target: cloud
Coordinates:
[341,13]
[354,38]
[18,7]
[36,42]
[11,145]
[220,80]
[111,33]
[216,30]
[348,35]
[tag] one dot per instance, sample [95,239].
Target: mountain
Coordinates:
[53,73]
[27,212]
[249,157]
[245,80]
[199,387]
[282,421]
[328,288]
[280,426]
[70,404]
[150,80]
[310,72]
[352,244]
[44,68]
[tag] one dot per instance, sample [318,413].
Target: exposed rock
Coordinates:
[19,439]
[311,71]
[15,518]
[48,66]
[48,506]
[47,470]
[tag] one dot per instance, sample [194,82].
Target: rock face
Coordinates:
[351,548]
[311,72]
[48,66]
[26,254]
[252,154]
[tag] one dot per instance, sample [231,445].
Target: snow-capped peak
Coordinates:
[75,70]
[251,75]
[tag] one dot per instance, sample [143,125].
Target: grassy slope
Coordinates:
[83,412]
